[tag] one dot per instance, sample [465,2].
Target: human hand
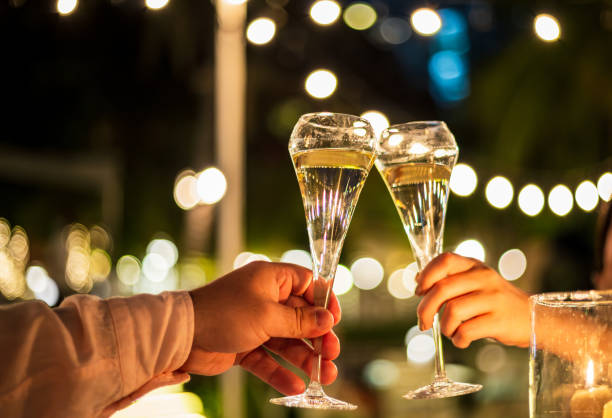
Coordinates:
[263,306]
[479,303]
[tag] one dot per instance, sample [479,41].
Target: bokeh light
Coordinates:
[463,180]
[531,200]
[499,192]
[325,12]
[257,257]
[377,119]
[299,257]
[560,200]
[395,30]
[587,196]
[396,286]
[261,31]
[471,248]
[100,265]
[65,7]
[343,281]
[547,27]
[36,278]
[211,185]
[512,264]
[50,294]
[409,277]
[155,267]
[321,84]
[5,232]
[367,273]
[156,4]
[165,248]
[604,186]
[359,16]
[381,373]
[186,190]
[491,358]
[241,259]
[425,21]
[78,260]
[421,348]
[128,270]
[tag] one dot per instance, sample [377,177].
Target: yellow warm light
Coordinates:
[211,185]
[531,200]
[471,248]
[186,190]
[65,7]
[463,180]
[359,16]
[425,21]
[343,281]
[261,31]
[321,84]
[367,273]
[547,27]
[156,4]
[100,265]
[587,196]
[512,264]
[499,192]
[560,200]
[377,119]
[5,232]
[128,270]
[325,12]
[604,186]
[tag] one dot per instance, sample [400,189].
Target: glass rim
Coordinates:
[405,125]
[306,118]
[578,298]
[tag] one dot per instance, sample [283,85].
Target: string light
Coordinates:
[261,31]
[186,190]
[211,185]
[547,27]
[321,84]
[471,248]
[377,119]
[128,270]
[560,200]
[531,200]
[499,192]
[463,180]
[343,281]
[587,196]
[512,264]
[396,286]
[325,12]
[604,186]
[65,7]
[367,273]
[299,257]
[359,16]
[156,4]
[425,21]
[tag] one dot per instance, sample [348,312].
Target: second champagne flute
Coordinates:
[415,160]
[332,155]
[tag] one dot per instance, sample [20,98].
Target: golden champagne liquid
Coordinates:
[330,182]
[420,193]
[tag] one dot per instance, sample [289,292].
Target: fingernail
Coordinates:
[324,318]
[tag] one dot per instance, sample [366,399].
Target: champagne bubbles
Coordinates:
[325,12]
[531,200]
[471,248]
[499,192]
[560,200]
[261,31]
[367,273]
[604,186]
[463,180]
[587,196]
[321,84]
[425,21]
[343,281]
[512,264]
[547,27]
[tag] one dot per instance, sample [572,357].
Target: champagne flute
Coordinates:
[332,155]
[415,161]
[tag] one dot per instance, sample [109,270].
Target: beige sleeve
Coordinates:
[90,356]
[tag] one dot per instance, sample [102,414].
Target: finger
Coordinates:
[462,309]
[296,352]
[446,289]
[284,321]
[332,303]
[444,265]
[473,330]
[291,278]
[267,369]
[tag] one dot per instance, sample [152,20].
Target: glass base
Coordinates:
[313,398]
[442,388]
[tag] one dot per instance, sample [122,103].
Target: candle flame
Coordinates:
[590,374]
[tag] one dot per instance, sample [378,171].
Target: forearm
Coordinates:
[89,353]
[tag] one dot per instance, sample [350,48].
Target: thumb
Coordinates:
[300,322]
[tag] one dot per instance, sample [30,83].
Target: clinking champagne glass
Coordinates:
[415,160]
[332,155]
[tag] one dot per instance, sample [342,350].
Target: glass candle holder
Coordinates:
[570,365]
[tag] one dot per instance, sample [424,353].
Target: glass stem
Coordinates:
[439,354]
[322,288]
